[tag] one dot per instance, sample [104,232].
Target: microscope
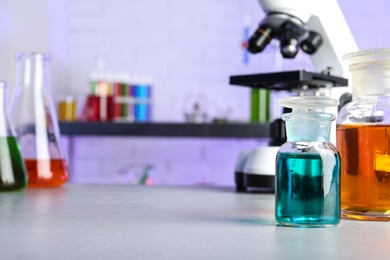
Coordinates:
[317,28]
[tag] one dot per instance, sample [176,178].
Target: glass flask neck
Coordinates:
[308,125]
[5,124]
[3,97]
[34,70]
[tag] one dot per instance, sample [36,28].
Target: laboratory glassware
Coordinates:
[307,166]
[36,123]
[363,137]
[13,175]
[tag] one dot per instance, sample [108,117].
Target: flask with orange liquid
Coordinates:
[36,123]
[363,138]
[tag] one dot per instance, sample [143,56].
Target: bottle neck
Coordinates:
[370,81]
[308,126]
[3,99]
[5,127]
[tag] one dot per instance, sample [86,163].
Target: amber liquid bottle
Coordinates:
[36,123]
[365,175]
[363,138]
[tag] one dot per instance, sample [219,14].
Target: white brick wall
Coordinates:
[189,47]
[186,46]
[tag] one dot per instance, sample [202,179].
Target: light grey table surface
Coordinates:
[138,222]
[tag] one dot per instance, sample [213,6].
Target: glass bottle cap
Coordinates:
[308,102]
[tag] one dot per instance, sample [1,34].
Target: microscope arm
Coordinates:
[329,21]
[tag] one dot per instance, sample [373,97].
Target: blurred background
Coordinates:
[184,50]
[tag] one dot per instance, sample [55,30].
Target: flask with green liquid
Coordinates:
[13,175]
[308,166]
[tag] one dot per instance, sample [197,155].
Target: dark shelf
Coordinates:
[228,130]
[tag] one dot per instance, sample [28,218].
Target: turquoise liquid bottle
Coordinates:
[308,166]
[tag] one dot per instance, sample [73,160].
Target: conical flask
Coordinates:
[36,123]
[13,175]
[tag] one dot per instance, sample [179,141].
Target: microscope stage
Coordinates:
[288,80]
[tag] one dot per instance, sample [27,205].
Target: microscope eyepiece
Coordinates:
[260,38]
[312,43]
